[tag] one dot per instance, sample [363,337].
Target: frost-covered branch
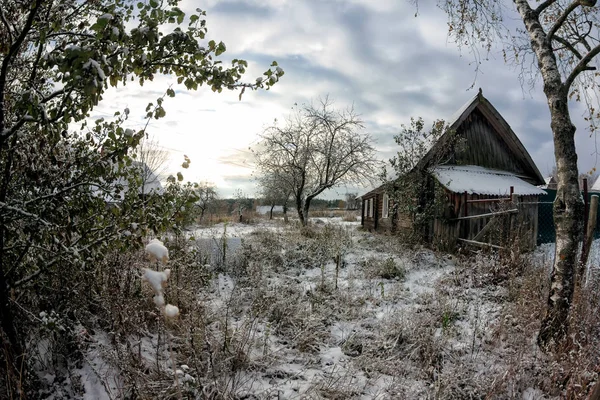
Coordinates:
[60,192]
[8,59]
[25,213]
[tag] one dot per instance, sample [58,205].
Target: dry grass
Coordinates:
[402,323]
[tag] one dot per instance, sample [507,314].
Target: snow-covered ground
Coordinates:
[369,338]
[385,322]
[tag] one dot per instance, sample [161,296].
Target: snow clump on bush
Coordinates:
[156,250]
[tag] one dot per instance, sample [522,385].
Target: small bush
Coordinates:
[390,269]
[350,216]
[386,269]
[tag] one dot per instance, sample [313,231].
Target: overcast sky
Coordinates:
[374,54]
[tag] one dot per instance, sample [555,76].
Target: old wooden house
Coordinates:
[486,186]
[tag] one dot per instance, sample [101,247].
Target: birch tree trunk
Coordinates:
[568,205]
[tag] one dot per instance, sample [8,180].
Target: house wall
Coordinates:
[376,222]
[522,225]
[368,222]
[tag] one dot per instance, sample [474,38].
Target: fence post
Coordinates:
[466,211]
[514,199]
[586,205]
[587,241]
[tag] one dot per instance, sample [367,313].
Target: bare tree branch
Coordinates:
[582,66]
[562,18]
[544,5]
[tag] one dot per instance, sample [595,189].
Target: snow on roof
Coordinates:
[596,186]
[455,117]
[479,180]
[151,184]
[548,181]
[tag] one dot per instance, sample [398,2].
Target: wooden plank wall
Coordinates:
[484,147]
[376,222]
[523,224]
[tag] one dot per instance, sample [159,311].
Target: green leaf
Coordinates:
[220,49]
[160,113]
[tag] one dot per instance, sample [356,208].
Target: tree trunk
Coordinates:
[271,213]
[568,217]
[306,207]
[568,205]
[10,343]
[300,209]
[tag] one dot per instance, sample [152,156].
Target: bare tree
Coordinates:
[242,203]
[207,195]
[274,192]
[563,37]
[318,147]
[352,201]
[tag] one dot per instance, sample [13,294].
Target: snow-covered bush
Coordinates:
[68,194]
[388,268]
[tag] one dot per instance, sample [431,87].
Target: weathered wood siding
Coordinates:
[376,222]
[521,226]
[368,220]
[484,146]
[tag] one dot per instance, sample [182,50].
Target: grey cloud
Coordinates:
[242,8]
[240,158]
[386,66]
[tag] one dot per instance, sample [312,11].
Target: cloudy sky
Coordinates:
[374,54]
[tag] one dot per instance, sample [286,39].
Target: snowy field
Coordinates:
[343,314]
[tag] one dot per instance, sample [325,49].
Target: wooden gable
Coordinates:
[489,142]
[484,147]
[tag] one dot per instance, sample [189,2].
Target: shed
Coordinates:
[487,187]
[596,186]
[375,210]
[549,183]
[150,184]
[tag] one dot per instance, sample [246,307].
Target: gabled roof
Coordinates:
[150,185]
[596,186]
[377,190]
[550,183]
[501,127]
